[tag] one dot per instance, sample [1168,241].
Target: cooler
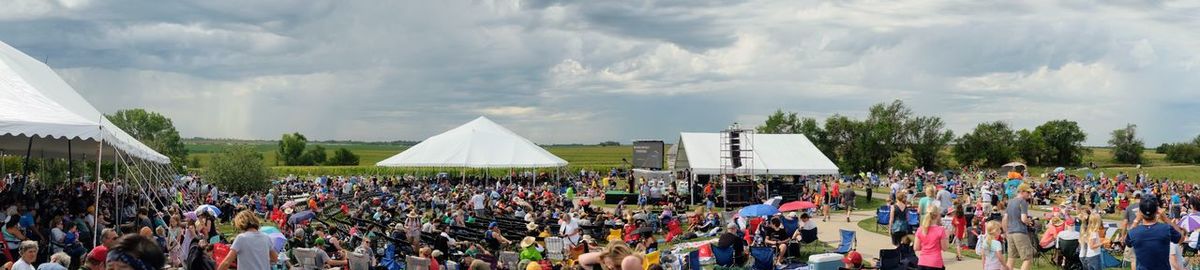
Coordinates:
[827,261]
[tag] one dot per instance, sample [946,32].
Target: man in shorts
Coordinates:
[1016,220]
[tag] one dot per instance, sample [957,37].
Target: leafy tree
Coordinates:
[928,136]
[1030,147]
[1162,148]
[780,123]
[1064,142]
[314,155]
[343,157]
[789,123]
[291,149]
[610,143]
[990,144]
[885,127]
[154,130]
[238,169]
[845,137]
[1183,153]
[1127,148]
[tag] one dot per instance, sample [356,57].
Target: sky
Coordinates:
[592,71]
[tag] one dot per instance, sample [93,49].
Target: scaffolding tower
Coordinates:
[737,157]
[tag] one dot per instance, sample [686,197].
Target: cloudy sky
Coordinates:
[589,71]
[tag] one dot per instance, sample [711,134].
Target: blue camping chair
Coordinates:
[389,261]
[882,215]
[693,260]
[764,258]
[848,242]
[724,256]
[790,226]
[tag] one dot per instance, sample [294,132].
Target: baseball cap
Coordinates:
[99,254]
[852,258]
[1149,207]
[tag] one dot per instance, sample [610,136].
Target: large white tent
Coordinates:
[42,114]
[773,154]
[480,143]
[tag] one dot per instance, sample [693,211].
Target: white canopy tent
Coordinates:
[480,143]
[774,154]
[40,113]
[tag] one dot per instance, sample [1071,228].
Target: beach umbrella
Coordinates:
[269,230]
[796,206]
[1059,169]
[1190,222]
[216,212]
[290,203]
[278,240]
[190,215]
[758,210]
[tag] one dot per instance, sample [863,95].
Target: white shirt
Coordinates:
[477,201]
[22,265]
[569,228]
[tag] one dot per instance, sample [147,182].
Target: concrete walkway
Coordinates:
[869,243]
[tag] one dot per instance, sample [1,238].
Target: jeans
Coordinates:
[1092,263]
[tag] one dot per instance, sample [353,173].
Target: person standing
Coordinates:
[1151,238]
[897,224]
[1016,219]
[27,254]
[990,249]
[252,249]
[931,238]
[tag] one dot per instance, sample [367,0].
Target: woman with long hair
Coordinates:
[931,238]
[1092,239]
[616,256]
[897,224]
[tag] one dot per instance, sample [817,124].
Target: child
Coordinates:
[990,249]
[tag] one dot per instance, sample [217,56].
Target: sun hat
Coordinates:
[528,241]
[531,226]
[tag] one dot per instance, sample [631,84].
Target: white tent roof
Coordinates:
[35,102]
[775,154]
[480,143]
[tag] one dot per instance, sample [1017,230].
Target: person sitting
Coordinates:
[807,232]
[135,252]
[529,250]
[58,261]
[617,256]
[494,238]
[730,239]
[775,236]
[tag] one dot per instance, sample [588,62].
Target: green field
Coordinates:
[578,156]
[594,157]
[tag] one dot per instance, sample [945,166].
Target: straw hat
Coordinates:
[413,214]
[288,211]
[531,226]
[528,241]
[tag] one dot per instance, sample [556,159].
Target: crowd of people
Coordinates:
[989,212]
[539,222]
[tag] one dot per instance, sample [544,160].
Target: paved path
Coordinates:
[869,243]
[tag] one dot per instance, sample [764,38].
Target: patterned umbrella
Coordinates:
[1190,222]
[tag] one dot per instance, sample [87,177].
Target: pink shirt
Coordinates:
[929,253]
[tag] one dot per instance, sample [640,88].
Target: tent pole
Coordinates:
[96,207]
[70,161]
[28,151]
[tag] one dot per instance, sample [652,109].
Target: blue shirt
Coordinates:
[1151,245]
[1175,199]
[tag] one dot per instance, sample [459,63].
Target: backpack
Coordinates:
[914,217]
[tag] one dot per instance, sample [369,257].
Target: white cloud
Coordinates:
[588,71]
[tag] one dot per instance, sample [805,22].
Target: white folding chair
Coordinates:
[554,249]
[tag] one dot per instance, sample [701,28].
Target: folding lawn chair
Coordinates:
[848,242]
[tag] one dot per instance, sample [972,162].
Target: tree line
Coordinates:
[892,136]
[293,151]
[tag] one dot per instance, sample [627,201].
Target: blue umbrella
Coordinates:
[216,212]
[1059,169]
[758,210]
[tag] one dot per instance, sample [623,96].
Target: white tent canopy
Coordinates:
[35,103]
[773,154]
[480,143]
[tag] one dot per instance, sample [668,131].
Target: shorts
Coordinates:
[1020,246]
[897,237]
[1129,255]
